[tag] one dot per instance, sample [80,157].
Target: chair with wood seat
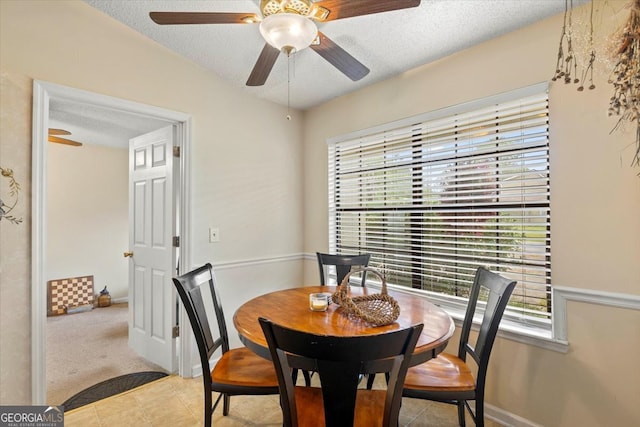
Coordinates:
[342,264]
[339,362]
[238,371]
[449,378]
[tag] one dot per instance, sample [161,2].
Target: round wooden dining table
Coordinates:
[290,308]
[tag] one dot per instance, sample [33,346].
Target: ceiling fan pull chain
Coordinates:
[289,86]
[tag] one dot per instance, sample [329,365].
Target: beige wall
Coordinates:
[15,251]
[595,217]
[87,215]
[595,195]
[234,167]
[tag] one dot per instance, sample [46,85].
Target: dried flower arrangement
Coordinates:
[625,77]
[567,65]
[624,62]
[14,190]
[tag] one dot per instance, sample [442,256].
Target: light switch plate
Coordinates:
[214,234]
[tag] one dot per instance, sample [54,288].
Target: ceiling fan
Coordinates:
[53,137]
[290,26]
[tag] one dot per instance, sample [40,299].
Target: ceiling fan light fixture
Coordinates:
[272,7]
[288,31]
[318,13]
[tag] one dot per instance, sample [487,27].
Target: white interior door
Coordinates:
[152,255]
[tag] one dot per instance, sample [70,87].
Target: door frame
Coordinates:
[43,92]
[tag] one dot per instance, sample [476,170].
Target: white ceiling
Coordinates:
[90,124]
[387,43]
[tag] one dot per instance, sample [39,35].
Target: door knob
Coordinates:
[128,254]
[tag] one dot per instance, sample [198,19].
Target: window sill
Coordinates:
[531,335]
[556,338]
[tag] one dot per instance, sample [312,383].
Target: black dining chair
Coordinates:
[238,371]
[342,264]
[339,362]
[448,378]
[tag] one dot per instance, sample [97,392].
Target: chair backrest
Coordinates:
[339,361]
[495,291]
[343,264]
[190,286]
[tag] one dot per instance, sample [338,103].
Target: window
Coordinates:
[435,196]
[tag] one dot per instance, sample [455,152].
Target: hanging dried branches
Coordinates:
[625,77]
[567,64]
[588,71]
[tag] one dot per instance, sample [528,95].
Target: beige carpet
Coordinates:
[86,348]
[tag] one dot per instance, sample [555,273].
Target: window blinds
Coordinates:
[434,199]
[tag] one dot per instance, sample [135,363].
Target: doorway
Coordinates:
[44,96]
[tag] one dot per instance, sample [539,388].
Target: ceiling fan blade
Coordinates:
[340,58]
[58,132]
[64,141]
[263,66]
[339,9]
[180,18]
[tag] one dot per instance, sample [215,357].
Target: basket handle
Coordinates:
[345,281]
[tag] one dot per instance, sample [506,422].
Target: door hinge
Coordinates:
[175,332]
[176,241]
[176,151]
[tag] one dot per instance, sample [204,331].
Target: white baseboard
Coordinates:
[196,370]
[507,418]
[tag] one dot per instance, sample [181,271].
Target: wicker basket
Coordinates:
[376,309]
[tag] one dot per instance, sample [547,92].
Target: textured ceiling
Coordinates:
[97,125]
[387,43]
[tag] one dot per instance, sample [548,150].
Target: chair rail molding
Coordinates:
[560,295]
[224,265]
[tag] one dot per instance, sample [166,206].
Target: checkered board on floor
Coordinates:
[69,292]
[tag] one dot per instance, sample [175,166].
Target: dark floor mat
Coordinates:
[111,387]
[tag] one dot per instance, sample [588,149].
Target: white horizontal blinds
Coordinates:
[434,200]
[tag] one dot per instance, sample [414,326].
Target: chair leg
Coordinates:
[370,379]
[479,411]
[208,410]
[225,405]
[305,374]
[307,378]
[461,418]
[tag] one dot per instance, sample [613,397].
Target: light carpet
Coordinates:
[86,348]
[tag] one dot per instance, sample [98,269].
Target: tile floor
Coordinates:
[177,402]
